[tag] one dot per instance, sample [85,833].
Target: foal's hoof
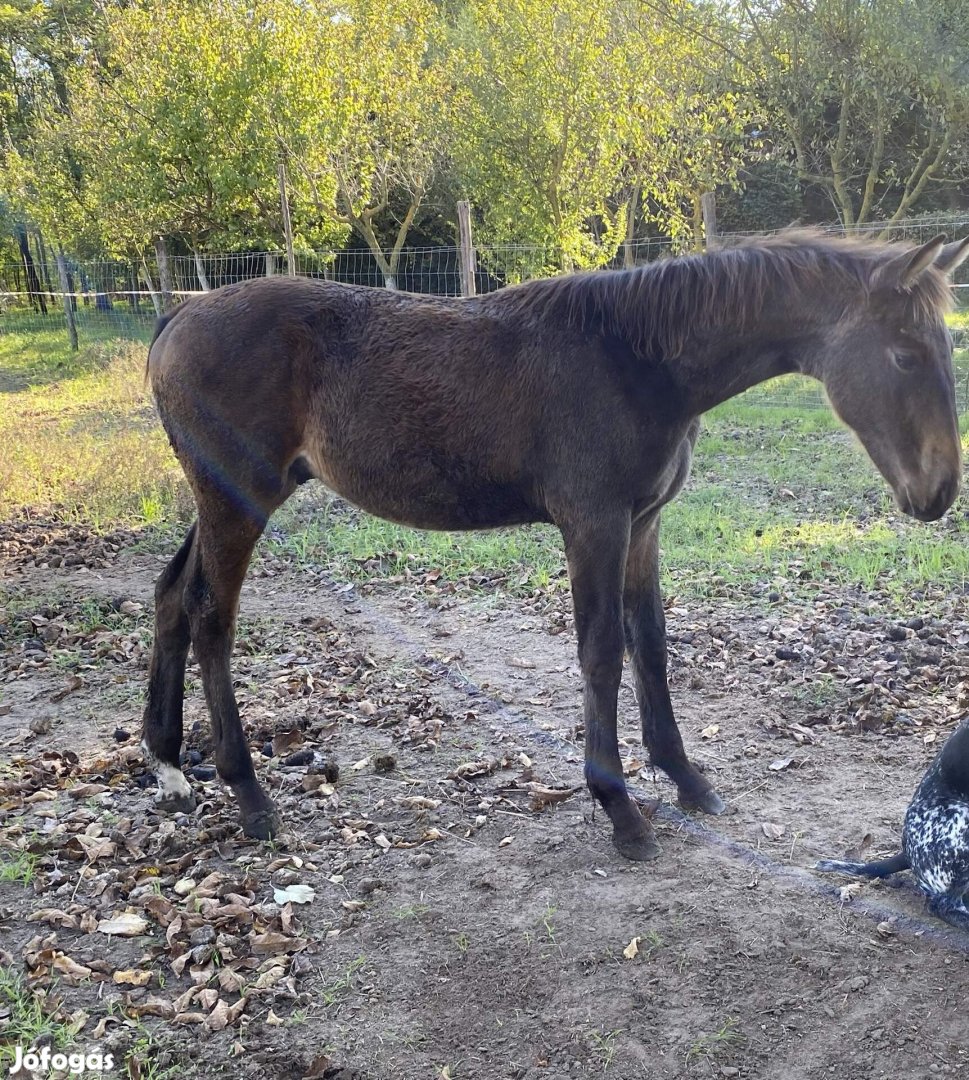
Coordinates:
[261,825]
[175,802]
[708,801]
[640,846]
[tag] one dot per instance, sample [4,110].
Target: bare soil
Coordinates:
[470,919]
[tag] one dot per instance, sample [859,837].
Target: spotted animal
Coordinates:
[935,836]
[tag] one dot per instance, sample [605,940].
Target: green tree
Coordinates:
[870,95]
[583,118]
[683,120]
[363,119]
[540,152]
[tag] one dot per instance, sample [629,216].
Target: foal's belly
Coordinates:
[435,493]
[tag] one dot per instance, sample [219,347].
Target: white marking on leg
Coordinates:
[171,781]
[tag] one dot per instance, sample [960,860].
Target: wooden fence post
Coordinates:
[287,223]
[466,255]
[708,206]
[66,293]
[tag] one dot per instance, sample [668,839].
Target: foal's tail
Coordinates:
[881,868]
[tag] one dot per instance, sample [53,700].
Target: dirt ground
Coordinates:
[467,916]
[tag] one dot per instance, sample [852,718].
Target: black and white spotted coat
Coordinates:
[935,836]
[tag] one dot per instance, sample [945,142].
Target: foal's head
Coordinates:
[887,369]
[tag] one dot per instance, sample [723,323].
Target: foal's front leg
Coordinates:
[596,562]
[646,641]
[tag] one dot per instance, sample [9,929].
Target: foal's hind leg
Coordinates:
[227,535]
[596,558]
[162,724]
[646,640]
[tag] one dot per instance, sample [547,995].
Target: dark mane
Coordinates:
[655,308]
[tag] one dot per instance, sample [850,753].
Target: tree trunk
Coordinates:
[287,221]
[164,275]
[628,253]
[708,210]
[37,301]
[42,261]
[200,270]
[135,299]
[156,300]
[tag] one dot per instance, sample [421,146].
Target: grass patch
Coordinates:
[79,436]
[354,546]
[27,1022]
[18,867]
[708,1047]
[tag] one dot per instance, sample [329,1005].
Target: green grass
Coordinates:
[27,1022]
[357,547]
[78,434]
[18,867]
[709,1046]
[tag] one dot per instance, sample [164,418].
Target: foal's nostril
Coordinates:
[933,510]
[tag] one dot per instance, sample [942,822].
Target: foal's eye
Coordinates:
[906,362]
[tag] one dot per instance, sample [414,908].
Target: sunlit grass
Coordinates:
[78,434]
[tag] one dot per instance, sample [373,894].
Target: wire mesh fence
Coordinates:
[119,299]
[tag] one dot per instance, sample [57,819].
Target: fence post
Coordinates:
[66,293]
[164,275]
[466,254]
[708,207]
[287,223]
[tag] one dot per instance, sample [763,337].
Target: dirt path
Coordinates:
[455,932]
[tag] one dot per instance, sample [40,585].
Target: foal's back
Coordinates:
[439,413]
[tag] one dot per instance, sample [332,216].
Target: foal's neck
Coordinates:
[721,361]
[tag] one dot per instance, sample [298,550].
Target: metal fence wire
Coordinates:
[119,299]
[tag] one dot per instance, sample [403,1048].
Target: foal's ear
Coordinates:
[953,256]
[901,271]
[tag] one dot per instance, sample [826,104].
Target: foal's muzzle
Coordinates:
[932,507]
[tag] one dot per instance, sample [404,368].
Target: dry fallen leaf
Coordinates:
[294,894]
[319,1067]
[69,968]
[709,731]
[772,831]
[631,951]
[153,1006]
[419,802]
[286,741]
[126,925]
[544,796]
[130,977]
[849,892]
